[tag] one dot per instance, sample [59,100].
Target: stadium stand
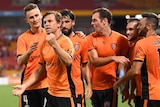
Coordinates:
[142,4]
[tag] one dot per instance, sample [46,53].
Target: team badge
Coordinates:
[76,47]
[113,46]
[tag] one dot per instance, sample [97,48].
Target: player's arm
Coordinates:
[22,59]
[130,74]
[125,86]
[100,61]
[64,56]
[132,89]
[36,76]
[86,76]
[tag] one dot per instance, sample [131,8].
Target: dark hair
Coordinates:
[29,7]
[69,13]
[57,15]
[133,20]
[104,13]
[152,19]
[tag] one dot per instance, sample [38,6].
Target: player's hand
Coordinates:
[80,34]
[18,90]
[122,60]
[125,95]
[33,47]
[131,97]
[51,39]
[115,87]
[88,92]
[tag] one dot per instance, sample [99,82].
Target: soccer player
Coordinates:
[146,55]
[55,63]
[133,37]
[80,59]
[107,50]
[28,55]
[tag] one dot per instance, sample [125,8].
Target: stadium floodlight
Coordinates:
[127,16]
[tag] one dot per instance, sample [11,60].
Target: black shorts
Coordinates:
[53,101]
[151,103]
[79,101]
[34,98]
[104,98]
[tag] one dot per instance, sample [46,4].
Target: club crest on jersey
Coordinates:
[113,46]
[76,47]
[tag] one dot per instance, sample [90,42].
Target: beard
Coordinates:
[133,38]
[66,31]
[143,32]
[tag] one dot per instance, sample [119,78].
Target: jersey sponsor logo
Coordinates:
[55,63]
[34,57]
[157,43]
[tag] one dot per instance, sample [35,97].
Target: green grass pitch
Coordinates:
[8,100]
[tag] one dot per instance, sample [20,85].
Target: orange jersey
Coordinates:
[147,50]
[57,72]
[137,78]
[116,44]
[23,43]
[80,56]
